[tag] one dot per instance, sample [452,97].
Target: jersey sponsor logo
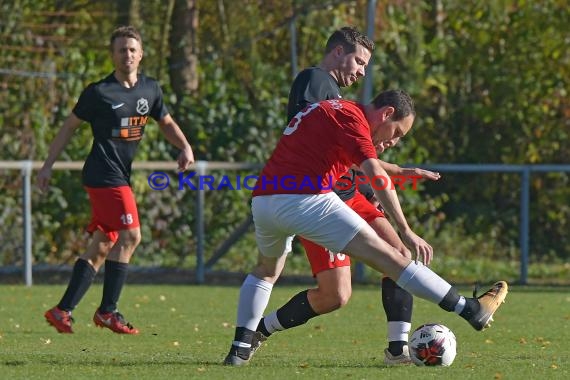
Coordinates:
[115,106]
[134,121]
[142,106]
[131,128]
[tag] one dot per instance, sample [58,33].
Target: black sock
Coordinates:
[296,312]
[115,277]
[398,305]
[261,328]
[243,335]
[450,300]
[396,347]
[397,302]
[81,279]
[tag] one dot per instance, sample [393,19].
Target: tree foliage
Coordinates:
[490,81]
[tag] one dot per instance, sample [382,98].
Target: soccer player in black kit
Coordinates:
[347,53]
[118,108]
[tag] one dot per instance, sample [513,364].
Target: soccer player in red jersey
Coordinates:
[347,54]
[118,108]
[345,134]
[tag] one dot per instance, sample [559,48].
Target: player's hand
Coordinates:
[44,175]
[418,246]
[424,174]
[185,158]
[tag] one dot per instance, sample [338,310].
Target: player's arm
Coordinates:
[174,135]
[395,170]
[389,200]
[56,147]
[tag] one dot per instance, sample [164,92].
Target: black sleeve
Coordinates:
[159,110]
[310,86]
[84,108]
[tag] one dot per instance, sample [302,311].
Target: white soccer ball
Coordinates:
[433,344]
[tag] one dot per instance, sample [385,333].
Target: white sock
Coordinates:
[253,299]
[460,305]
[271,323]
[398,331]
[420,281]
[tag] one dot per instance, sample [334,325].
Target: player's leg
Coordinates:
[334,288]
[116,270]
[341,229]
[253,299]
[84,271]
[397,302]
[82,276]
[420,281]
[274,244]
[121,221]
[332,271]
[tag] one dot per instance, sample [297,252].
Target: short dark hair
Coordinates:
[349,38]
[401,101]
[125,31]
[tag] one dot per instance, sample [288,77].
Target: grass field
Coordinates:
[186,332]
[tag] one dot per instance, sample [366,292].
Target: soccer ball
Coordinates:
[433,344]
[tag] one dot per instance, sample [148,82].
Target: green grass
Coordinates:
[186,332]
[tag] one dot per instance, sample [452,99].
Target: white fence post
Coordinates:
[27,216]
[201,167]
[524,228]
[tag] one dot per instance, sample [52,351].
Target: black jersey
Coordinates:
[118,116]
[313,85]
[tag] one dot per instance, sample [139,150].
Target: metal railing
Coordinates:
[202,167]
[524,203]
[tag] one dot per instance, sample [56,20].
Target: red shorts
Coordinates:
[321,258]
[112,209]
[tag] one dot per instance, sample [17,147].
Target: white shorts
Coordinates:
[322,218]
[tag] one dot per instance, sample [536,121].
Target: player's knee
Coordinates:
[343,299]
[130,238]
[103,248]
[268,274]
[269,268]
[338,298]
[97,252]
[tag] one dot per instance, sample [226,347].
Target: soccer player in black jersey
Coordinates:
[118,108]
[346,56]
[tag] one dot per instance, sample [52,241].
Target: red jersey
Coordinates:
[319,145]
